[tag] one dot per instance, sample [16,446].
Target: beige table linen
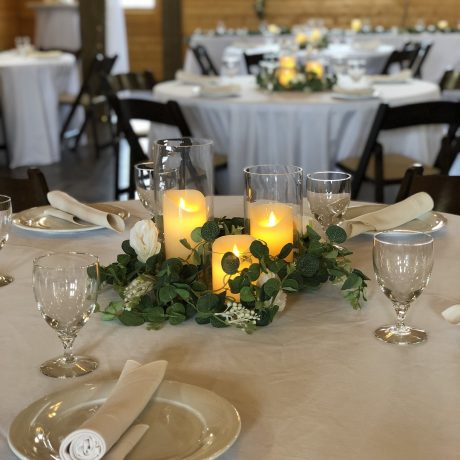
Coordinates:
[314,385]
[390,216]
[64,203]
[133,390]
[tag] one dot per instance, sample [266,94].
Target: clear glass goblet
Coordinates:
[328,195]
[65,287]
[403,261]
[5,224]
[145,185]
[356,69]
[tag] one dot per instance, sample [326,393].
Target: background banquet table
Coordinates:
[442,54]
[312,130]
[58,26]
[30,88]
[315,384]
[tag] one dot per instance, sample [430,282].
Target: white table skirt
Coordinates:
[443,54]
[30,88]
[58,26]
[308,130]
[315,384]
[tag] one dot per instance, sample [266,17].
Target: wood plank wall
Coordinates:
[145,27]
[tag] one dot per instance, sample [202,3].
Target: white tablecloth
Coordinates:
[30,88]
[58,26]
[309,130]
[444,53]
[313,385]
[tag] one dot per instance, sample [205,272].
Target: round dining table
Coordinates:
[30,88]
[315,384]
[312,130]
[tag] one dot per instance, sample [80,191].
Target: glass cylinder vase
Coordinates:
[188,203]
[273,205]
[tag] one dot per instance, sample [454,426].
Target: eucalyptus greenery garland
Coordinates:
[175,290]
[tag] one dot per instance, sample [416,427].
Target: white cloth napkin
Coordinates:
[63,202]
[193,79]
[127,442]
[346,85]
[391,216]
[452,314]
[134,389]
[220,90]
[398,77]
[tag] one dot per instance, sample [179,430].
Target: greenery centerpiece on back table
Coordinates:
[155,290]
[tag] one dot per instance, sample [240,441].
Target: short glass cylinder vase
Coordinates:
[273,205]
[184,187]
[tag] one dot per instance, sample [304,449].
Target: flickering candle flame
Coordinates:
[272,220]
[235,251]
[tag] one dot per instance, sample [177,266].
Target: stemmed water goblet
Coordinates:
[356,69]
[5,224]
[65,287]
[403,261]
[328,195]
[145,185]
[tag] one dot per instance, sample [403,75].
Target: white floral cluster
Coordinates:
[143,238]
[135,290]
[237,315]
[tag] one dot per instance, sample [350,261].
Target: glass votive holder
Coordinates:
[239,246]
[328,195]
[273,205]
[185,202]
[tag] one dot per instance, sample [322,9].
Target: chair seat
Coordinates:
[394,167]
[220,160]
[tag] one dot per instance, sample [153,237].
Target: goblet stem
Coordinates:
[67,342]
[401,312]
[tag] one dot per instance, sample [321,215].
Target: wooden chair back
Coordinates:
[26,192]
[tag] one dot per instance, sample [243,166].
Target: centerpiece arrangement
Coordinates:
[230,271]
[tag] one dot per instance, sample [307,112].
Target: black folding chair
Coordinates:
[205,63]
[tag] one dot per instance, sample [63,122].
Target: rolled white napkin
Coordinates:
[61,201]
[452,314]
[391,216]
[134,389]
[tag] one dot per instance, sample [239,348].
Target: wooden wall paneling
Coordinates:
[8,23]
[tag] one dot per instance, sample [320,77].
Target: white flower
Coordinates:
[281,297]
[143,238]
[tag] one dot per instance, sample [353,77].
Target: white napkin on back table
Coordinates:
[134,389]
[391,216]
[63,202]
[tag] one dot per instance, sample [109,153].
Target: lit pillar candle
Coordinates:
[272,223]
[183,211]
[239,245]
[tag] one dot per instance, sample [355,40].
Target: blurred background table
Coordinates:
[30,87]
[311,130]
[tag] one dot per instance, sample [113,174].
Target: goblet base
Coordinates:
[408,336]
[5,280]
[61,369]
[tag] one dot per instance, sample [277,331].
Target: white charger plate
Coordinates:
[186,423]
[34,219]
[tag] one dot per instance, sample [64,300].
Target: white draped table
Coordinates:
[30,87]
[315,384]
[58,26]
[309,130]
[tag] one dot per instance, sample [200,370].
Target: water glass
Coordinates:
[65,287]
[144,175]
[356,69]
[328,195]
[403,261]
[5,225]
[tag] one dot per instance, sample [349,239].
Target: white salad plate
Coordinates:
[35,219]
[186,423]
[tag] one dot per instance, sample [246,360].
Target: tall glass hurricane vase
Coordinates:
[185,203]
[5,224]
[273,204]
[403,261]
[65,287]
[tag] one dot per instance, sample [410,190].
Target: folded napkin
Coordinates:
[452,314]
[127,442]
[193,79]
[404,75]
[45,54]
[391,216]
[220,90]
[134,389]
[63,202]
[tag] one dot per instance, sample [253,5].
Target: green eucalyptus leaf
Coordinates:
[271,287]
[254,272]
[210,230]
[156,314]
[307,264]
[246,294]
[290,285]
[208,302]
[131,318]
[336,234]
[258,249]
[123,259]
[230,263]
[183,293]
[186,244]
[218,322]
[196,235]
[127,249]
[353,281]
[235,284]
[312,235]
[198,286]
[176,314]
[285,250]
[167,293]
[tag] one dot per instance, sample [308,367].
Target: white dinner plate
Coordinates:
[34,219]
[186,423]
